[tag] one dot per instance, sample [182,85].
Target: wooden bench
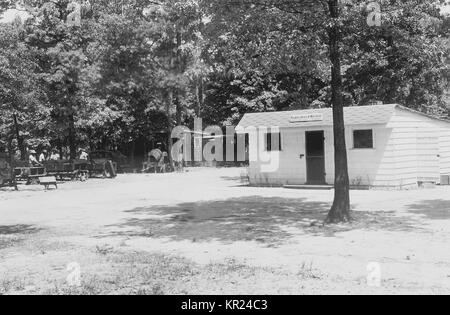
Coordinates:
[48,181]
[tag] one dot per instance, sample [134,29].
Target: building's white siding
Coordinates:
[292,168]
[367,167]
[444,149]
[373,167]
[411,148]
[418,145]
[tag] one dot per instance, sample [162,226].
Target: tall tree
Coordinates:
[261,67]
[124,52]
[179,57]
[333,22]
[24,111]
[311,16]
[402,61]
[62,37]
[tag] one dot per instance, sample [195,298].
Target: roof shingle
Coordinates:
[357,115]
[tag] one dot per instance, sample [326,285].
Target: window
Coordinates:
[273,141]
[363,139]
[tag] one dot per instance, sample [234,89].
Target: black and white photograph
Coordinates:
[224,154]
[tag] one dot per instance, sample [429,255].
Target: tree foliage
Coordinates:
[134,68]
[283,42]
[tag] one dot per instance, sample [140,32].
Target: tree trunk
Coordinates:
[179,109]
[12,163]
[200,97]
[72,139]
[340,211]
[91,143]
[133,149]
[169,129]
[60,150]
[20,141]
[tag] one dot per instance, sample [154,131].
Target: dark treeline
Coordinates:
[120,75]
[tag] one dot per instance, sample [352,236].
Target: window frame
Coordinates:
[267,142]
[363,129]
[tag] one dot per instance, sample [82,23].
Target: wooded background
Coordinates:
[133,69]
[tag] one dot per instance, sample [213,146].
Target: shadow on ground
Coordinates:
[432,209]
[18,229]
[266,220]
[11,235]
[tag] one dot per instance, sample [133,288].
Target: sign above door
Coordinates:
[306,118]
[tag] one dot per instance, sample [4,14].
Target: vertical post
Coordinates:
[72,138]
[20,142]
[340,210]
[12,166]
[179,71]
[169,128]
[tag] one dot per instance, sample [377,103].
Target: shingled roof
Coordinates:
[358,115]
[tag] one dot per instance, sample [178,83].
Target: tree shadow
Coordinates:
[267,220]
[10,235]
[432,209]
[18,229]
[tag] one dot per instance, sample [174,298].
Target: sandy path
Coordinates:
[207,216]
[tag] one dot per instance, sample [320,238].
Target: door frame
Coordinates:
[308,182]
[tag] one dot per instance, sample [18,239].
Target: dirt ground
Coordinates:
[204,232]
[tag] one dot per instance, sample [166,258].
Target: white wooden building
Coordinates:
[389,146]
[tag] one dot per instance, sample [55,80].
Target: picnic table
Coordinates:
[48,181]
[30,174]
[72,169]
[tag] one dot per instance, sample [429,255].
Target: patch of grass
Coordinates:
[137,273]
[18,229]
[307,271]
[127,273]
[11,284]
[8,241]
[11,235]
[104,249]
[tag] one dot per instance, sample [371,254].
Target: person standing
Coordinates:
[83,155]
[54,156]
[32,158]
[43,156]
